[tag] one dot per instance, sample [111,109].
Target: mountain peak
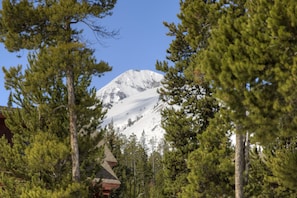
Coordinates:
[127,84]
[133,104]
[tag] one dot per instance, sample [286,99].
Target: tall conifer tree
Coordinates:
[47,26]
[188,95]
[53,94]
[273,114]
[40,155]
[211,165]
[251,63]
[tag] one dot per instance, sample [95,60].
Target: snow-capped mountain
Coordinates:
[133,104]
[127,84]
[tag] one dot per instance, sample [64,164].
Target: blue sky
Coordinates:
[141,41]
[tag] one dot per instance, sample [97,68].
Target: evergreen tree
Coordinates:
[180,128]
[258,184]
[133,169]
[263,182]
[157,182]
[40,155]
[257,171]
[188,95]
[275,112]
[270,102]
[116,142]
[280,157]
[223,40]
[211,165]
[136,160]
[250,61]
[48,105]
[47,26]
[252,80]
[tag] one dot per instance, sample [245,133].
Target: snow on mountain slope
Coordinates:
[133,104]
[127,84]
[137,113]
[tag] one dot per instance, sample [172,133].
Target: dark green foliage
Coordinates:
[216,67]
[263,180]
[53,97]
[182,122]
[37,24]
[244,52]
[251,65]
[188,95]
[257,171]
[280,157]
[116,143]
[157,182]
[250,61]
[40,154]
[278,69]
[211,165]
[138,172]
[205,13]
[141,175]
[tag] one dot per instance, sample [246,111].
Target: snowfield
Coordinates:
[133,104]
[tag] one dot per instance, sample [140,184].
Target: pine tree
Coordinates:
[136,160]
[262,178]
[157,182]
[216,67]
[259,173]
[47,26]
[133,169]
[255,81]
[211,165]
[53,96]
[185,90]
[271,103]
[181,129]
[250,61]
[280,157]
[278,128]
[40,156]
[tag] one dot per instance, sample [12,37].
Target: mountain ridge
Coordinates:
[127,84]
[133,104]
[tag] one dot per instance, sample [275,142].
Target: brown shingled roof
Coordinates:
[106,175]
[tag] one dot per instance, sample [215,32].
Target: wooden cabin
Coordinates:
[109,180]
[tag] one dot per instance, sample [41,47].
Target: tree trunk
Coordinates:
[239,166]
[246,158]
[72,126]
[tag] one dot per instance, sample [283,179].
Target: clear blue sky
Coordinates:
[141,41]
